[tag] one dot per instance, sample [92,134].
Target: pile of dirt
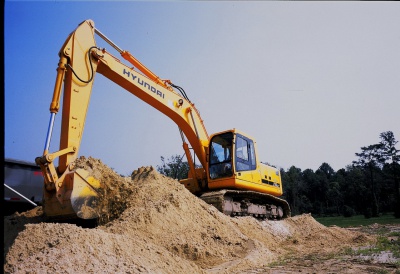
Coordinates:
[152,224]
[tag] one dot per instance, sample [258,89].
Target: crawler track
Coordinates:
[248,203]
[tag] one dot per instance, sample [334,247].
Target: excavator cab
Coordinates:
[232,158]
[238,183]
[229,152]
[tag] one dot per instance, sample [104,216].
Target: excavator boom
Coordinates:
[69,191]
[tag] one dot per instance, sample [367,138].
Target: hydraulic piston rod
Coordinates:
[49,133]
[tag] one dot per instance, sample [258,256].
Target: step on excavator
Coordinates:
[230,177]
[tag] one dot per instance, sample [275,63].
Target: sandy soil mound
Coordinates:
[152,224]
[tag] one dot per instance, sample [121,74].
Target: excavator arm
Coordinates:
[70,191]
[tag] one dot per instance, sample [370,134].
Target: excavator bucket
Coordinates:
[85,195]
[78,196]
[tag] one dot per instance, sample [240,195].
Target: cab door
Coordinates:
[245,159]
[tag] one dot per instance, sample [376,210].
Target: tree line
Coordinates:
[368,186]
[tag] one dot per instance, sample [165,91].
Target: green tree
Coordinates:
[324,174]
[391,156]
[334,198]
[292,184]
[327,170]
[310,185]
[370,160]
[174,167]
[351,184]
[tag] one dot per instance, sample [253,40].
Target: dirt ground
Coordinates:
[154,225]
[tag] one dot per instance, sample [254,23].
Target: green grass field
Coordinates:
[358,220]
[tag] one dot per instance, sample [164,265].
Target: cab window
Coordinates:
[245,154]
[221,156]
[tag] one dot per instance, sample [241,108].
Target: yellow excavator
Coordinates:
[231,176]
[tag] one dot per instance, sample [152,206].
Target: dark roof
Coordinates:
[20,162]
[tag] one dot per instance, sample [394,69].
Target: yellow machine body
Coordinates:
[228,159]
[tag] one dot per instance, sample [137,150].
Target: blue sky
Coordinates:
[312,82]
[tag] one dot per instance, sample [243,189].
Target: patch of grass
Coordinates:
[358,220]
[282,261]
[391,245]
[383,244]
[382,271]
[348,251]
